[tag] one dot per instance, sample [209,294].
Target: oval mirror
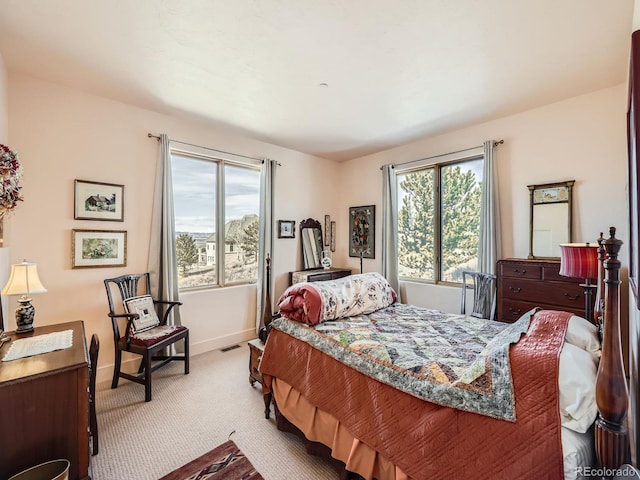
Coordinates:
[550,218]
[311,237]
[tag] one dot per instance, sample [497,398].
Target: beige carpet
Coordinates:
[190,415]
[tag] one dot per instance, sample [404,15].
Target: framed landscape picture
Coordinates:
[98,248]
[362,229]
[98,201]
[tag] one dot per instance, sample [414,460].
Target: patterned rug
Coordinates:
[223,462]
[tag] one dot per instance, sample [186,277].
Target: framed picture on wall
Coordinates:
[327,230]
[286,228]
[362,231]
[98,248]
[98,201]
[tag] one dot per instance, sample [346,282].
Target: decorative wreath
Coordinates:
[10,174]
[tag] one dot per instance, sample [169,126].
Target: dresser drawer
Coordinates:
[518,270]
[525,284]
[513,309]
[553,293]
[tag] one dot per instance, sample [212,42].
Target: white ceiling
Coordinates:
[396,70]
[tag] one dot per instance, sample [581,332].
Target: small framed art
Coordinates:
[361,231]
[333,236]
[98,201]
[286,228]
[98,248]
[327,230]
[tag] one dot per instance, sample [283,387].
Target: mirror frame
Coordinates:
[532,188]
[312,224]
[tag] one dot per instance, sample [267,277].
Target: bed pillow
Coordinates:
[583,334]
[143,306]
[316,302]
[577,383]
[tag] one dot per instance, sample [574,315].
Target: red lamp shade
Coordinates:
[579,260]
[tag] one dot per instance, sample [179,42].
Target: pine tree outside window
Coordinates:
[439,220]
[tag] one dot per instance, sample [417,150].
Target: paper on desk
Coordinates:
[49,342]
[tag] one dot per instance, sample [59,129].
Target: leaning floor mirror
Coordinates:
[550,218]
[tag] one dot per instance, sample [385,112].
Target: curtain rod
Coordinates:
[151,135]
[495,144]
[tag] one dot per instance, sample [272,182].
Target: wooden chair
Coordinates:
[93,366]
[484,294]
[146,332]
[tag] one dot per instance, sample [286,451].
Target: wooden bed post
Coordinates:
[612,396]
[598,311]
[267,313]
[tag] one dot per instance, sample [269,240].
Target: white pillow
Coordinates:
[143,306]
[577,383]
[583,334]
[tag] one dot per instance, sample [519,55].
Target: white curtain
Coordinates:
[265,243]
[489,246]
[390,228]
[163,267]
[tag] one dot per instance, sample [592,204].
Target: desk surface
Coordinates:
[59,360]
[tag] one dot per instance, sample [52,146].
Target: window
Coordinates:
[439,220]
[216,207]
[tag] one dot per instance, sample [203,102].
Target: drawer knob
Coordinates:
[515,290]
[520,272]
[572,297]
[515,311]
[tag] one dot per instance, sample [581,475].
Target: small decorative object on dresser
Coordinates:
[525,284]
[318,275]
[326,259]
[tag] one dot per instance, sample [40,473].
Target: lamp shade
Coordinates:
[23,280]
[579,260]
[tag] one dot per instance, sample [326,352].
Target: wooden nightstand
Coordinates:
[256,348]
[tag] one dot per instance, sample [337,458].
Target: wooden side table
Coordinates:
[256,348]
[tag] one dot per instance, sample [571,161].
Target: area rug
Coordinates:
[223,462]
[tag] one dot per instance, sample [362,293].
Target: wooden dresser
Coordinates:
[525,284]
[318,275]
[44,401]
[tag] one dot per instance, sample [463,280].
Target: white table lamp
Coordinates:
[24,280]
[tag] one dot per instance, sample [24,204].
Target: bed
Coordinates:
[393,391]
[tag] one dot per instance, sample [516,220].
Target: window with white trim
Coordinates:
[216,208]
[439,220]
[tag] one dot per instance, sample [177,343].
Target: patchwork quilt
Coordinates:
[451,360]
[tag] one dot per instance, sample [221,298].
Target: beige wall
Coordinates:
[4,109]
[64,134]
[582,138]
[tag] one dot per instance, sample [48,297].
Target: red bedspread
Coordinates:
[428,441]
